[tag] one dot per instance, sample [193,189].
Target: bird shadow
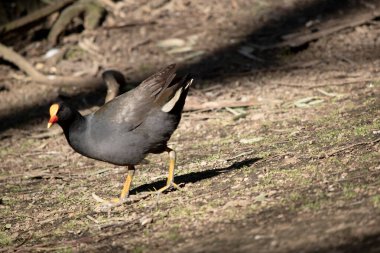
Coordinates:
[194,177]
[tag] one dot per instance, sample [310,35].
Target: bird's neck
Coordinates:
[75,124]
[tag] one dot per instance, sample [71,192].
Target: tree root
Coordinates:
[92,15]
[34,16]
[15,58]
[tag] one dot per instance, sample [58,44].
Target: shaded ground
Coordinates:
[297,172]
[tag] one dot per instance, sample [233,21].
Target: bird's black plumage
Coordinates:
[132,125]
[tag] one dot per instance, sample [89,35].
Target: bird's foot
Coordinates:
[109,203]
[168,187]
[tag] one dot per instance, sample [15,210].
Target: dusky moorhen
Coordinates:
[129,127]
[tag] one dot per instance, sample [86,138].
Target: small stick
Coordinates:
[241,154]
[334,152]
[93,219]
[217,105]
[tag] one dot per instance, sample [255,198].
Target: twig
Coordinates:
[218,105]
[360,80]
[328,94]
[231,110]
[93,219]
[342,83]
[24,241]
[200,117]
[339,150]
[138,44]
[34,16]
[98,172]
[241,154]
[130,24]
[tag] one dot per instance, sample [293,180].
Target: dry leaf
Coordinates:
[173,42]
[308,102]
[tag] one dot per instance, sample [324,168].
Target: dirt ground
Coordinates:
[296,170]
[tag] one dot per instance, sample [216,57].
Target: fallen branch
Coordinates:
[34,16]
[15,58]
[193,106]
[301,38]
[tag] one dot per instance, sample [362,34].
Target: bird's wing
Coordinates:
[129,110]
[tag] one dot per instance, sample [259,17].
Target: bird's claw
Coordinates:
[169,186]
[108,203]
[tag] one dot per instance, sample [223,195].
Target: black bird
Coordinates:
[129,127]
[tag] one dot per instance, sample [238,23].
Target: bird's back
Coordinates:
[134,124]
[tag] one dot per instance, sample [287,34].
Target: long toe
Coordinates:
[163,189]
[116,200]
[168,187]
[176,186]
[99,199]
[108,203]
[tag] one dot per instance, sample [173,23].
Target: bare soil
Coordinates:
[298,170]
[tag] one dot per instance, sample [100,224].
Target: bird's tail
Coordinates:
[176,103]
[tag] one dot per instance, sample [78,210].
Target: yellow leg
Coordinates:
[127,184]
[124,193]
[170,181]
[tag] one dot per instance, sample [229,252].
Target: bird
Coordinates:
[132,125]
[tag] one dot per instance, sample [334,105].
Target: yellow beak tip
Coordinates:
[49,125]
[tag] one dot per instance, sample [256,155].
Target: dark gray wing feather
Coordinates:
[129,110]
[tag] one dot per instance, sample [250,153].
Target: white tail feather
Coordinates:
[189,83]
[170,105]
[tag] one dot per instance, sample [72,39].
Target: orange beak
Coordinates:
[53,119]
[53,115]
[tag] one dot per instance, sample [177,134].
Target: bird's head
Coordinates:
[59,113]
